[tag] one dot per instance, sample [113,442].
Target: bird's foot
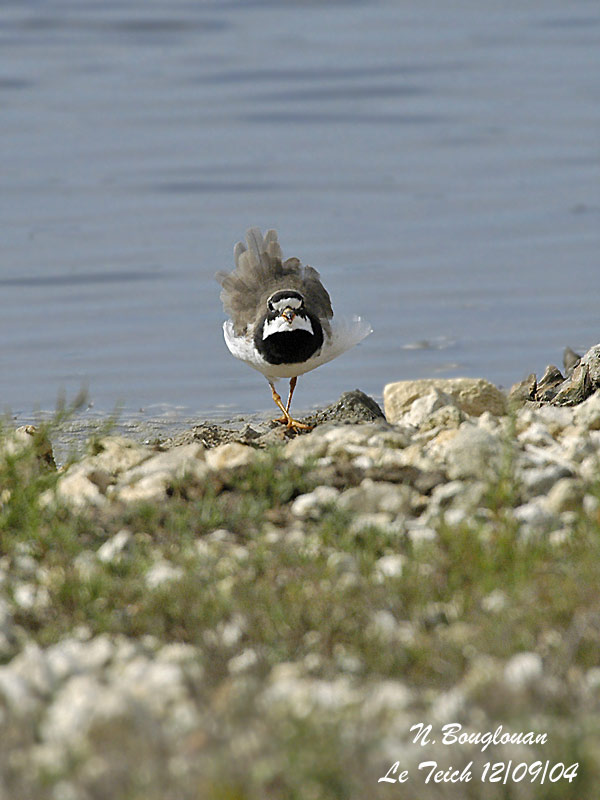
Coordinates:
[293,424]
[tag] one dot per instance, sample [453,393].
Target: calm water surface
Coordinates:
[442,170]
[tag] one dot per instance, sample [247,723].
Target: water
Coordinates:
[441,168]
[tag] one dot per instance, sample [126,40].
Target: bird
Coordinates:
[281,321]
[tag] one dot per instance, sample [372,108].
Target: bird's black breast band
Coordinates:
[289,347]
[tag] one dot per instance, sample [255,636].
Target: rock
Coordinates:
[565,494]
[523,669]
[115,549]
[584,380]
[162,572]
[471,452]
[540,480]
[116,454]
[523,391]
[570,360]
[29,438]
[352,407]
[548,386]
[381,520]
[7,631]
[390,566]
[372,497]
[423,407]
[73,656]
[537,434]
[310,505]
[230,456]
[472,395]
[576,388]
[77,490]
[592,360]
[587,414]
[535,516]
[151,479]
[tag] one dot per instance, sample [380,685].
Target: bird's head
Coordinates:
[287,304]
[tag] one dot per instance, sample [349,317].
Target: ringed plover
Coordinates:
[281,321]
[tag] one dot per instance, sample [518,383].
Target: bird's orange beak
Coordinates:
[288,314]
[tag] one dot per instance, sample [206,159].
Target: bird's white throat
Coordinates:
[281,325]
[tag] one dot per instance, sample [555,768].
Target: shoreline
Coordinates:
[265,593]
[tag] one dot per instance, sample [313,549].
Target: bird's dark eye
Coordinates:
[270,306]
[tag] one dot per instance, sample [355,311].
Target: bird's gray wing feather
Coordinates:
[259,271]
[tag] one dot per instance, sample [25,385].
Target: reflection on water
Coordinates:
[442,172]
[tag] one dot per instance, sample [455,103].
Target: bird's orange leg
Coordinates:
[293,382]
[287,418]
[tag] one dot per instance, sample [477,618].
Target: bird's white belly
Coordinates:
[345,334]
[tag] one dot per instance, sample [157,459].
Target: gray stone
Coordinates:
[523,391]
[548,385]
[352,407]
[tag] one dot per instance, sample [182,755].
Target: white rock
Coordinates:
[456,516]
[537,434]
[423,407]
[495,601]
[472,395]
[386,697]
[17,692]
[470,453]
[245,661]
[566,495]
[32,666]
[230,456]
[381,520]
[592,678]
[539,480]
[587,414]
[418,532]
[25,595]
[7,629]
[115,454]
[310,505]
[72,656]
[341,562]
[149,481]
[302,448]
[390,566]
[162,572]
[116,548]
[377,496]
[448,705]
[81,702]
[77,490]
[523,669]
[535,515]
